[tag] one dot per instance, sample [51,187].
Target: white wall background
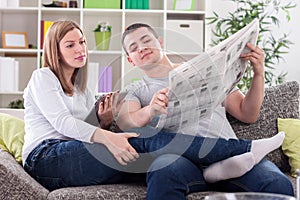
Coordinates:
[291,63]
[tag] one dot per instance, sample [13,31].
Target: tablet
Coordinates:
[92,117]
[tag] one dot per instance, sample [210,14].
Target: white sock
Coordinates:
[232,167]
[260,148]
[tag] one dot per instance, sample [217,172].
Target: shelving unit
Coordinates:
[27,17]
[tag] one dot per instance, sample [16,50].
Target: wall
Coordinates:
[291,60]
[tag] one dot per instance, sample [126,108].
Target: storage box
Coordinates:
[102,4]
[184,35]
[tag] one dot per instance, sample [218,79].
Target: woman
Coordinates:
[62,150]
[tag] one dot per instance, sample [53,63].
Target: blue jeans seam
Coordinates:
[193,183]
[244,187]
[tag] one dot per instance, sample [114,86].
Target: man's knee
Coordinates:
[281,185]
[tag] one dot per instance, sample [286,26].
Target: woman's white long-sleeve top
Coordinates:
[51,114]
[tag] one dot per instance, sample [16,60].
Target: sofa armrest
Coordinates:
[281,101]
[15,182]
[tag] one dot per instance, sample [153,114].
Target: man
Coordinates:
[148,98]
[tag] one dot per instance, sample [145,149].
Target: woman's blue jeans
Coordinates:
[58,163]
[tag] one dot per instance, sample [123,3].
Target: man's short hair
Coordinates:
[131,28]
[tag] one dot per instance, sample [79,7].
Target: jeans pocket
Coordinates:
[51,183]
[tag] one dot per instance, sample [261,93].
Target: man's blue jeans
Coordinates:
[183,177]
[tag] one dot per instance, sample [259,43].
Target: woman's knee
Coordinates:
[163,166]
[174,168]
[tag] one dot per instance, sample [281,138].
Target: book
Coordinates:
[44,28]
[9,74]
[146,4]
[42,34]
[128,4]
[134,4]
[93,71]
[139,4]
[105,79]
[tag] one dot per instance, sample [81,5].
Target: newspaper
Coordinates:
[202,83]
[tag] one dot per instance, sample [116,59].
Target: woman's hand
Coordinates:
[108,108]
[105,114]
[117,144]
[116,103]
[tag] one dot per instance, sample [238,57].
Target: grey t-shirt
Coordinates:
[215,125]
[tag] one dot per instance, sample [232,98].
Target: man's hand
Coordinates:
[257,58]
[159,102]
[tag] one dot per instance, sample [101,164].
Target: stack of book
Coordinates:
[9,74]
[44,28]
[137,4]
[99,78]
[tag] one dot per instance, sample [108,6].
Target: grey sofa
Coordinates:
[280,101]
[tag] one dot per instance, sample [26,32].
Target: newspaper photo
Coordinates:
[202,83]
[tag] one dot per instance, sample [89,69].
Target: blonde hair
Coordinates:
[51,55]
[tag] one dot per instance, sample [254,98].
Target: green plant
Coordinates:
[103,27]
[268,13]
[19,103]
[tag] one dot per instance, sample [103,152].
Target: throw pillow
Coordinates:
[12,135]
[291,143]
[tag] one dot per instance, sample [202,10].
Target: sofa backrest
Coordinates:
[14,112]
[281,101]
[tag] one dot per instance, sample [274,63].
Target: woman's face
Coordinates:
[73,49]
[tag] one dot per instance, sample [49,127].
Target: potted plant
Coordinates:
[18,104]
[268,12]
[102,36]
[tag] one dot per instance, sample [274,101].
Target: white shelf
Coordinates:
[19,10]
[99,52]
[27,18]
[12,93]
[25,51]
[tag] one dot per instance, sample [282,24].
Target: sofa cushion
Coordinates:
[15,182]
[105,192]
[111,192]
[12,135]
[281,101]
[291,143]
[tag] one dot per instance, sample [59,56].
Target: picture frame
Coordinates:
[183,4]
[14,39]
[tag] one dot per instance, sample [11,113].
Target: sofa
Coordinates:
[281,101]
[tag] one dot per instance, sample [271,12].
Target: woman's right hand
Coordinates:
[117,144]
[109,108]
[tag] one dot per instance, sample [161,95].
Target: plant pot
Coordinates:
[102,40]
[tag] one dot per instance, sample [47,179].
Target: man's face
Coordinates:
[143,47]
